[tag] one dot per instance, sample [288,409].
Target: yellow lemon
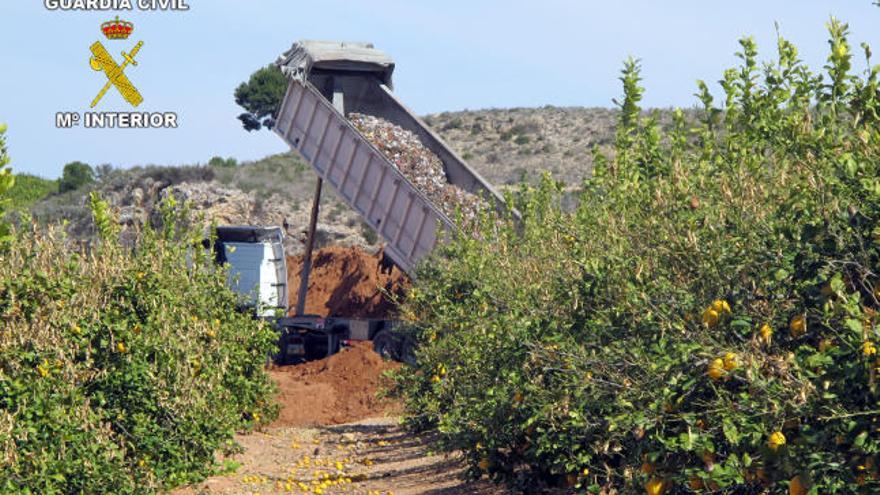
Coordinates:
[777,439]
[120,347]
[716,369]
[710,318]
[796,486]
[43,369]
[721,306]
[798,325]
[729,361]
[766,332]
[655,486]
[868,348]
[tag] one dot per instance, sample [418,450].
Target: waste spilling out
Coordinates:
[419,165]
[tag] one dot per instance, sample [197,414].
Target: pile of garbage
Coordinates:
[418,164]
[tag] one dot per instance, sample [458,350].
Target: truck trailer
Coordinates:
[327,81]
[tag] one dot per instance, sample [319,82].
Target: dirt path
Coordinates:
[369,457]
[334,435]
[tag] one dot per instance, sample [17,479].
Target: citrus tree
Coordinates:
[123,368]
[705,321]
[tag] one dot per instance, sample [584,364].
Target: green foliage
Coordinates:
[28,190]
[715,286]
[75,176]
[261,96]
[7,181]
[369,235]
[123,369]
[219,161]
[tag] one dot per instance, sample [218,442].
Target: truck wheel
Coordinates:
[408,351]
[384,345]
[332,344]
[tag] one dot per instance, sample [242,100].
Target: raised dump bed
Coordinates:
[330,80]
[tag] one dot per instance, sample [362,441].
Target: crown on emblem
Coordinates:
[117,30]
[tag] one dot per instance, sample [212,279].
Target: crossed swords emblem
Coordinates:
[102,61]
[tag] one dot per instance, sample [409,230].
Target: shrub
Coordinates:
[75,176]
[122,370]
[456,123]
[29,189]
[219,161]
[7,181]
[706,320]
[171,175]
[369,235]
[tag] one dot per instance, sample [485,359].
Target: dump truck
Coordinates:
[327,82]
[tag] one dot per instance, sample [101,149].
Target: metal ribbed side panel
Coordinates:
[362,176]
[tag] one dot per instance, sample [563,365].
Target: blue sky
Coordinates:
[450,55]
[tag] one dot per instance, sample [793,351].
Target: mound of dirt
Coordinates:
[347,281]
[336,390]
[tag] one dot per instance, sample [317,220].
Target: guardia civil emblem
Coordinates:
[102,61]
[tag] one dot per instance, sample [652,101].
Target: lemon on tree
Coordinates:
[656,486]
[766,332]
[729,361]
[716,369]
[798,325]
[721,306]
[710,317]
[776,440]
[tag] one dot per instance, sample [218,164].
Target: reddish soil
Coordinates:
[339,389]
[347,281]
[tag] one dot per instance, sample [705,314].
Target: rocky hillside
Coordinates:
[273,191]
[503,145]
[506,145]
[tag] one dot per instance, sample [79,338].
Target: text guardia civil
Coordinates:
[115,4]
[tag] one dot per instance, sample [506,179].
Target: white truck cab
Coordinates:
[257,266]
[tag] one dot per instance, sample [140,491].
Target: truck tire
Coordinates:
[333,344]
[385,345]
[408,351]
